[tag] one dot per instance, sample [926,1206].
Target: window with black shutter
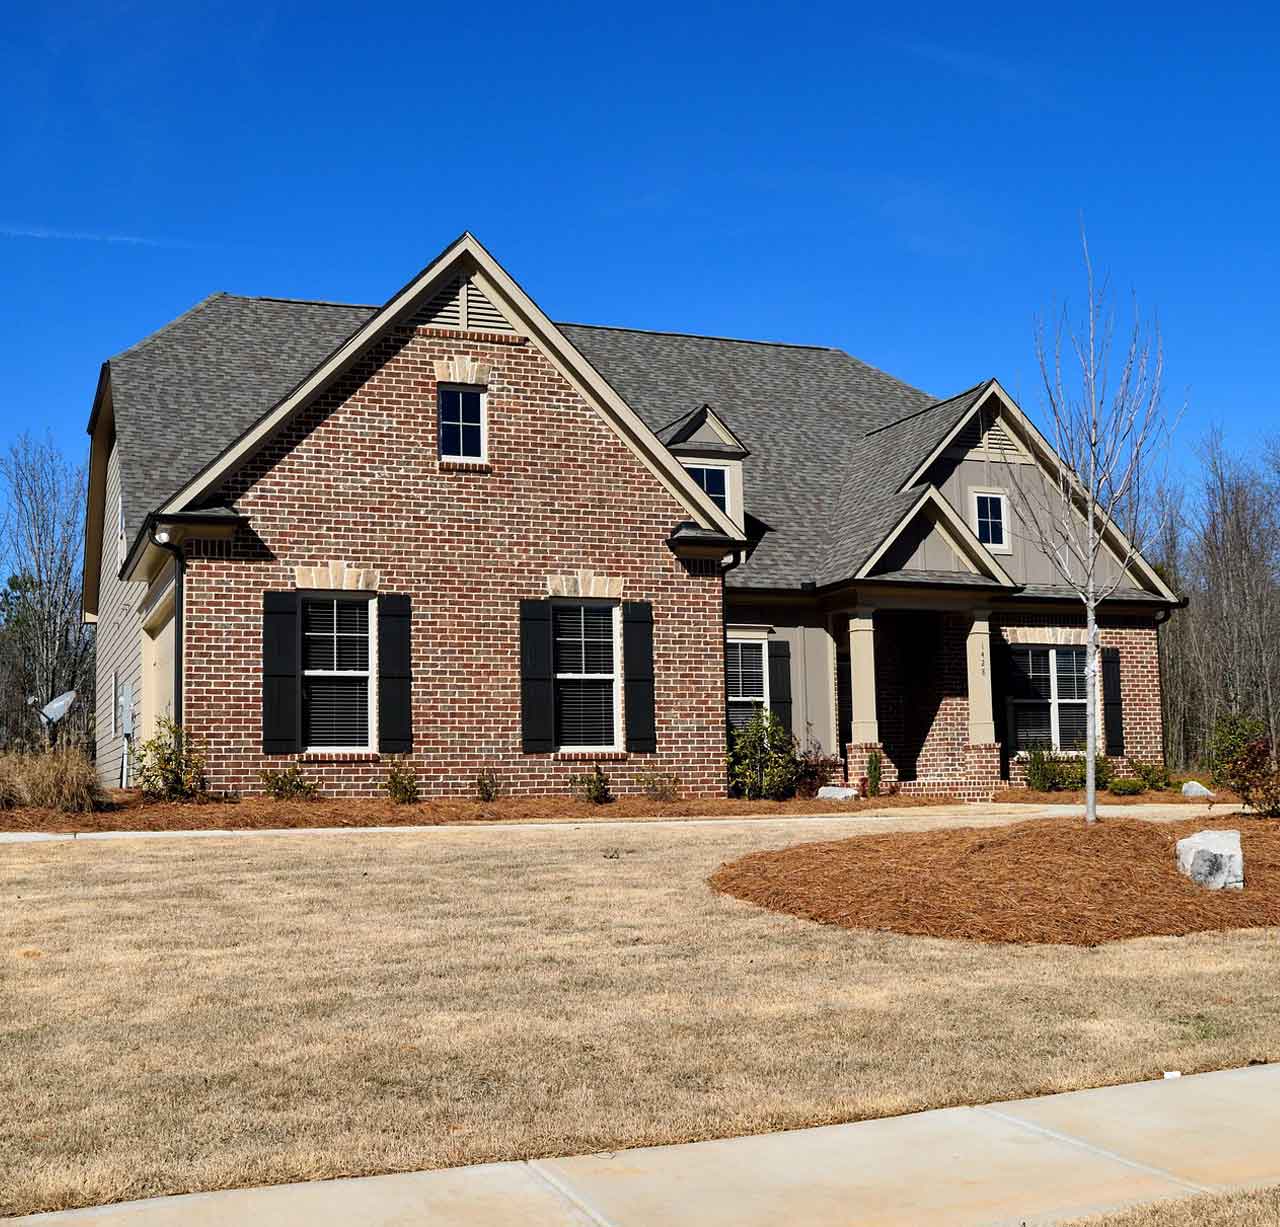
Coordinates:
[1047,694]
[336,676]
[586,676]
[746,680]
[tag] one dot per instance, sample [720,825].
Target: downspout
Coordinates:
[161,541]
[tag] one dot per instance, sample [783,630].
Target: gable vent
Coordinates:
[995,439]
[482,314]
[445,309]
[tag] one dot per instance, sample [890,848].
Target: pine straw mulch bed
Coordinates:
[1162,796]
[129,811]
[1052,880]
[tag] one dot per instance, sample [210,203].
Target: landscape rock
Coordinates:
[1213,859]
[834,792]
[1193,788]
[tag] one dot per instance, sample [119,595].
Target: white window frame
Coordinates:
[115,702]
[372,671]
[690,465]
[616,677]
[1006,545]
[120,533]
[762,642]
[1055,735]
[483,458]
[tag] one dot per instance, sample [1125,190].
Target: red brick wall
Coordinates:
[356,478]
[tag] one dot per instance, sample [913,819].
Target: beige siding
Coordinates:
[119,647]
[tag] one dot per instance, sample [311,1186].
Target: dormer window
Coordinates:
[463,429]
[714,480]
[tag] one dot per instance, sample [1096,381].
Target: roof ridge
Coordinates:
[927,408]
[173,323]
[306,302]
[700,336]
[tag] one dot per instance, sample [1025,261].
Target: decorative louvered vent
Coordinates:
[987,433]
[462,304]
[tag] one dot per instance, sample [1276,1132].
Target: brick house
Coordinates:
[451,531]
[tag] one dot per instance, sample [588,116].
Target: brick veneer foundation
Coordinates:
[356,477]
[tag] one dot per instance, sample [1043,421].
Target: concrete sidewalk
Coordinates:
[1033,1161]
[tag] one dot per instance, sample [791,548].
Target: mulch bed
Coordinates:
[128,811]
[1170,796]
[1053,880]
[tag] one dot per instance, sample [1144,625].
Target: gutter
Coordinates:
[161,541]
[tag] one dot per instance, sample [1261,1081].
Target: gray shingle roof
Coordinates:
[830,438]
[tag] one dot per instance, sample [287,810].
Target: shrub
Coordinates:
[289,784]
[1050,772]
[874,766]
[1252,774]
[1042,771]
[659,786]
[1127,786]
[11,791]
[171,764]
[1154,776]
[401,785]
[593,787]
[813,770]
[60,779]
[1232,734]
[487,785]
[762,759]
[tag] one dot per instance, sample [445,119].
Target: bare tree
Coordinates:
[1106,422]
[44,648]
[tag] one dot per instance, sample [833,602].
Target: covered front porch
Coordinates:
[916,687]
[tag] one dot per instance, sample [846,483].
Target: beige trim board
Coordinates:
[526,317]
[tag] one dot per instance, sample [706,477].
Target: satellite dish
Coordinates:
[54,710]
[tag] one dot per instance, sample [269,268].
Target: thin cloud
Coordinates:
[87,236]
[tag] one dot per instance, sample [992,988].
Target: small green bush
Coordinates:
[1231,734]
[487,785]
[60,779]
[289,784]
[1154,776]
[1042,771]
[401,785]
[659,786]
[1126,786]
[593,787]
[874,768]
[171,764]
[762,759]
[1050,772]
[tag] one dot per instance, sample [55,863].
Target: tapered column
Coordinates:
[982,728]
[862,677]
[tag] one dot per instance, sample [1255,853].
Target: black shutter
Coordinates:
[637,676]
[780,681]
[537,683]
[395,675]
[281,692]
[1112,709]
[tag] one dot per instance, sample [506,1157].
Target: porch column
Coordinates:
[982,727]
[862,677]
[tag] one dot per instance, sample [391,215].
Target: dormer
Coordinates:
[712,454]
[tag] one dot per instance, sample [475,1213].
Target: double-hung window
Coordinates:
[463,430]
[337,678]
[714,480]
[746,680]
[1047,699]
[586,676]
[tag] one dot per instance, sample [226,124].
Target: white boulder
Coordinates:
[1213,859]
[1193,788]
[834,792]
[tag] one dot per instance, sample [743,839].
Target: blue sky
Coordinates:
[905,183]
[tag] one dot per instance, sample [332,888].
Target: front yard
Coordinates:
[181,1015]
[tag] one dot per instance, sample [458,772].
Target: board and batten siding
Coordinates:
[118,636]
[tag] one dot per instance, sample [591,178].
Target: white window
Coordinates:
[587,676]
[991,520]
[337,676]
[464,431]
[115,702]
[120,541]
[746,679]
[714,479]
[1047,692]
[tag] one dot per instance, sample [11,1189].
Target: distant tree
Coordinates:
[1103,403]
[44,647]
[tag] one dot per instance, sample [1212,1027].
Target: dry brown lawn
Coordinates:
[1260,1208]
[195,1014]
